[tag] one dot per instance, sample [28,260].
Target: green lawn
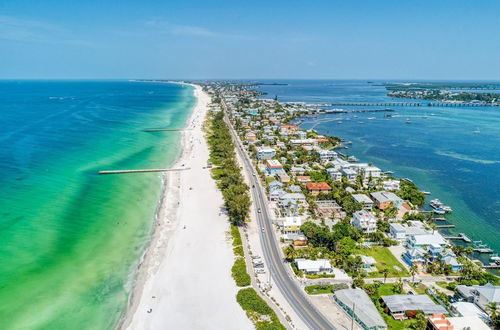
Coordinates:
[328,288]
[385,259]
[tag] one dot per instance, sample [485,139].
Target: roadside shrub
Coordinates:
[239,272]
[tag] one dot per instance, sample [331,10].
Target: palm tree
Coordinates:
[413,271]
[290,252]
[398,288]
[385,272]
[492,308]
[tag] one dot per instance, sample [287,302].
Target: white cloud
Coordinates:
[20,29]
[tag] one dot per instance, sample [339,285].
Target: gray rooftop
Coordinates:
[363,306]
[409,302]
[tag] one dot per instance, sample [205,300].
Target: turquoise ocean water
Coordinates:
[454,152]
[69,238]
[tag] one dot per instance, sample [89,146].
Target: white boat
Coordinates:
[371,118]
[425,192]
[477,131]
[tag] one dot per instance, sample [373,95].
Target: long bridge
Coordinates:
[407,104]
[376,104]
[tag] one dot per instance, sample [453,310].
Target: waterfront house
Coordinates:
[401,232]
[334,174]
[424,241]
[296,142]
[316,188]
[326,155]
[318,266]
[364,221]
[302,135]
[359,305]
[364,200]
[273,166]
[350,174]
[371,172]
[264,153]
[382,201]
[391,185]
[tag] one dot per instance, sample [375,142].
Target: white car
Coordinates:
[260,271]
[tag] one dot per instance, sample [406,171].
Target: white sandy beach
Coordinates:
[184,281]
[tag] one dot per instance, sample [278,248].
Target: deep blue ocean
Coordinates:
[453,152]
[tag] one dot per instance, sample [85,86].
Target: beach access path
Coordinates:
[185,279]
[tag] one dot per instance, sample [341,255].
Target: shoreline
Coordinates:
[178,276]
[145,266]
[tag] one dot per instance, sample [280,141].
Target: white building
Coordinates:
[364,221]
[363,200]
[319,266]
[350,174]
[334,174]
[391,185]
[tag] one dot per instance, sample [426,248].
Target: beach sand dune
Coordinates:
[184,281]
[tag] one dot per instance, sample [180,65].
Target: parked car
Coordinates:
[260,271]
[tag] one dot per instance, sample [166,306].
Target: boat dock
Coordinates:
[460,237]
[145,170]
[166,129]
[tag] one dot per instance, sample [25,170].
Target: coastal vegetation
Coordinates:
[325,288]
[258,311]
[438,95]
[228,173]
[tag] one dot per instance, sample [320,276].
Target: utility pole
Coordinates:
[352,317]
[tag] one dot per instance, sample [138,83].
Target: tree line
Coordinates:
[227,173]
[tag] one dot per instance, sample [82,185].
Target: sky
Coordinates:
[315,39]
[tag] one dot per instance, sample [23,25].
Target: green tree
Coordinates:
[413,271]
[385,272]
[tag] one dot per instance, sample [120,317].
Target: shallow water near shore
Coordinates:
[70,238]
[453,152]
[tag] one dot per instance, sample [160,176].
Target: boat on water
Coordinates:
[352,159]
[425,192]
[436,204]
[495,258]
[439,211]
[408,121]
[477,131]
[388,115]
[371,118]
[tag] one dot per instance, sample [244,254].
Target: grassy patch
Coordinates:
[327,288]
[258,310]
[449,286]
[235,234]
[387,290]
[384,259]
[238,251]
[239,272]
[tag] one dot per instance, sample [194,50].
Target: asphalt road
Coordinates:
[272,255]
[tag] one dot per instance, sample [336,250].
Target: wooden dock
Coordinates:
[445,226]
[166,129]
[145,170]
